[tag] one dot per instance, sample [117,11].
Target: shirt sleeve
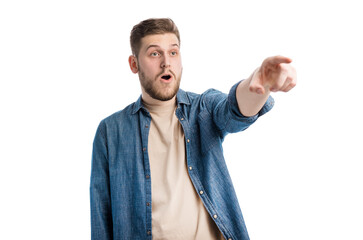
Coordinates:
[101,214]
[225,112]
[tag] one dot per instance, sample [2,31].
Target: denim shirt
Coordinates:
[120,188]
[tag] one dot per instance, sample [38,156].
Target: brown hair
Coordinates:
[149,27]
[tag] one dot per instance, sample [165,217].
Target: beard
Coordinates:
[157,89]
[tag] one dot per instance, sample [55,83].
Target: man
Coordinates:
[158,170]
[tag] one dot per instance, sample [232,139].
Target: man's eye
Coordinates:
[154,54]
[174,53]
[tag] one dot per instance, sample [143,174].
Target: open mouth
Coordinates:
[166,77]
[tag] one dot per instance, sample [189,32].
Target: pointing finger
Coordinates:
[276,60]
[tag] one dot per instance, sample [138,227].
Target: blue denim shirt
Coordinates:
[120,189]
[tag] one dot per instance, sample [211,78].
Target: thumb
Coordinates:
[256,85]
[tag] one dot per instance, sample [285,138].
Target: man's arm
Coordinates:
[101,213]
[275,74]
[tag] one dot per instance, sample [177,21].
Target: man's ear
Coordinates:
[133,64]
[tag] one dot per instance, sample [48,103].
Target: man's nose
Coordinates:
[165,63]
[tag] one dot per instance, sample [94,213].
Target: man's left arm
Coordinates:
[275,74]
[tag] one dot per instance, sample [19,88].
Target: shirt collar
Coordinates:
[181,98]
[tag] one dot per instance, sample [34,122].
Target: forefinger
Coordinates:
[277,60]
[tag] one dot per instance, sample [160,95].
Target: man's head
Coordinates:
[151,26]
[155,45]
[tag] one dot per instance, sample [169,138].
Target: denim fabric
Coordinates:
[120,189]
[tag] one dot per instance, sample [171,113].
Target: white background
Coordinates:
[63,68]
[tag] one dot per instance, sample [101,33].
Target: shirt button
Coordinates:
[190,168]
[182,119]
[201,192]
[148,204]
[148,232]
[144,149]
[146,126]
[215,216]
[147,176]
[229,238]
[188,140]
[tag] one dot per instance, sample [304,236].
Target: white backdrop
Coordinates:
[63,68]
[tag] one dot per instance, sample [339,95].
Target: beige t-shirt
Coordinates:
[177,211]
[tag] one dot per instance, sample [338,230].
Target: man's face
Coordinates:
[159,66]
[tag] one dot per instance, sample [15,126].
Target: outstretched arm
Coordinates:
[275,74]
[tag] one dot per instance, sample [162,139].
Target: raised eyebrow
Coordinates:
[175,45]
[157,46]
[150,46]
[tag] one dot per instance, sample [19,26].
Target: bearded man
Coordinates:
[158,170]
